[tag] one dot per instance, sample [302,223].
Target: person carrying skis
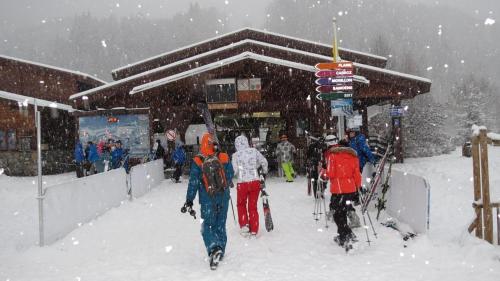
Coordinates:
[285,151]
[357,141]
[214,206]
[314,157]
[247,161]
[342,168]
[179,157]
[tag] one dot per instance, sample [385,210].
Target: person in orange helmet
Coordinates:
[213,205]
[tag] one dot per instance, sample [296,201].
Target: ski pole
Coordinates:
[364,221]
[232,208]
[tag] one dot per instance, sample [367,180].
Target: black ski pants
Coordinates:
[340,204]
[177,172]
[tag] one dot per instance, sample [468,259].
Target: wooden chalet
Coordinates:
[271,75]
[22,84]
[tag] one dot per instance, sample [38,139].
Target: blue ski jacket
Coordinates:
[116,158]
[93,155]
[359,144]
[179,155]
[78,153]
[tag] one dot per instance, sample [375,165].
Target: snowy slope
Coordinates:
[149,239]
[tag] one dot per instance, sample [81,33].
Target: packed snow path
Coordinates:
[149,239]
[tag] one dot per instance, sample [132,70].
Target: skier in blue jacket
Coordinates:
[213,208]
[79,158]
[357,141]
[179,158]
[92,157]
[116,155]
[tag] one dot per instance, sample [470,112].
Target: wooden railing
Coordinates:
[483,223]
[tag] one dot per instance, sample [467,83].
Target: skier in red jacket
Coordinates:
[342,168]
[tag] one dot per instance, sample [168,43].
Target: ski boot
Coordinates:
[215,258]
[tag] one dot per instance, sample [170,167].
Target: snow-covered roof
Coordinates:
[392,72]
[494,136]
[39,102]
[81,74]
[240,30]
[227,61]
[194,58]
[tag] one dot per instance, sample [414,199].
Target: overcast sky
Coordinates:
[242,12]
[20,12]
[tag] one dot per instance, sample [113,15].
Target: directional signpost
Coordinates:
[335,80]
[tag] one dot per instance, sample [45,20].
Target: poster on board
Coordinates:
[131,129]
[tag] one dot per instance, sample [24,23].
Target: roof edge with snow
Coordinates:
[78,73]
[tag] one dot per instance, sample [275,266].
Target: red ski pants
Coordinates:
[248,195]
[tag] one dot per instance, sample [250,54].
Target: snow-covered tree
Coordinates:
[471,98]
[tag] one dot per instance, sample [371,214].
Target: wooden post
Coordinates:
[477,184]
[485,183]
[498,226]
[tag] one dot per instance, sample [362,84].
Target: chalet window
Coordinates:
[302,126]
[25,143]
[11,139]
[3,140]
[221,90]
[83,86]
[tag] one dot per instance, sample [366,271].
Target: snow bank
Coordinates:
[68,205]
[494,136]
[146,176]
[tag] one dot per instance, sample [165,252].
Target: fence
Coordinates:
[483,223]
[68,205]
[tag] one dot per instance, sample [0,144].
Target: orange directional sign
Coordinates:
[335,65]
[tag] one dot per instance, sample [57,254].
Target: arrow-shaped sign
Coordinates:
[333,81]
[334,73]
[334,88]
[334,96]
[334,65]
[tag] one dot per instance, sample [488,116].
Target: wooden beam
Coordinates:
[477,184]
[485,184]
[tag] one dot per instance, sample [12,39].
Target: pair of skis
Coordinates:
[375,181]
[207,118]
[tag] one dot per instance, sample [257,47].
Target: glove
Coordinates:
[186,206]
[356,198]
[231,184]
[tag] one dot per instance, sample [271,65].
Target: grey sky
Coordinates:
[21,12]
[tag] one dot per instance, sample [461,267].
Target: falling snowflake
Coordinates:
[139,6]
[489,21]
[226,2]
[282,18]
[103,43]
[429,68]
[168,249]
[118,5]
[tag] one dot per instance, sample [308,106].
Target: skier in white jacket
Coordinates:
[246,161]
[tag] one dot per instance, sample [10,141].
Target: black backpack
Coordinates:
[214,177]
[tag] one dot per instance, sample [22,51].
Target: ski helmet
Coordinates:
[331,140]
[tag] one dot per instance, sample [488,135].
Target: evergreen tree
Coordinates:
[471,101]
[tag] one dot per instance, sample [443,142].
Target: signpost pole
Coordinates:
[340,118]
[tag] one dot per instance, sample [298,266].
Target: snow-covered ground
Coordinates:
[149,239]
